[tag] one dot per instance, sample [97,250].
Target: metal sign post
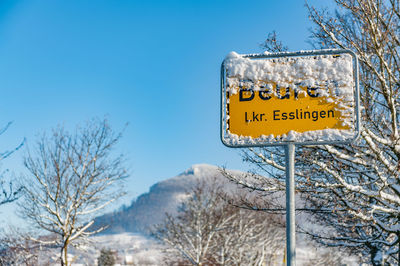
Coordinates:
[288,99]
[290,206]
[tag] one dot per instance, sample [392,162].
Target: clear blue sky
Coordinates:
[154,64]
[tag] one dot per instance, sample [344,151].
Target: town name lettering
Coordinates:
[249,94]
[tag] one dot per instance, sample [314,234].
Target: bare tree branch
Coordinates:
[72,177]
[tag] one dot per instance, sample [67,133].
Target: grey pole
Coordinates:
[290,208]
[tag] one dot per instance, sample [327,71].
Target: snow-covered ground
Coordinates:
[128,248]
[136,249]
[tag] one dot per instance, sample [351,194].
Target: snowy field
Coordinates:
[136,249]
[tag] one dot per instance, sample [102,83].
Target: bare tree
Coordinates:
[191,234]
[17,249]
[12,251]
[72,177]
[251,238]
[106,258]
[210,231]
[8,191]
[272,43]
[354,189]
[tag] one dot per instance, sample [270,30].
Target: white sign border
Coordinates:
[223,116]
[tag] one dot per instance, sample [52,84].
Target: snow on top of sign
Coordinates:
[327,72]
[289,71]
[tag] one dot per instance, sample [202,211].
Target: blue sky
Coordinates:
[153,64]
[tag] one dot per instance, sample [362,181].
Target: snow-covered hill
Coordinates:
[150,208]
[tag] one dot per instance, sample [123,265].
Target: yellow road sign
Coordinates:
[305,99]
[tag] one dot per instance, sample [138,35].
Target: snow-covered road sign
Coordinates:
[304,97]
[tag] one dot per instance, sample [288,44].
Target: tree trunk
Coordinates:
[64,254]
[376,256]
[62,257]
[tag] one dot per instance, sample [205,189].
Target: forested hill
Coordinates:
[150,208]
